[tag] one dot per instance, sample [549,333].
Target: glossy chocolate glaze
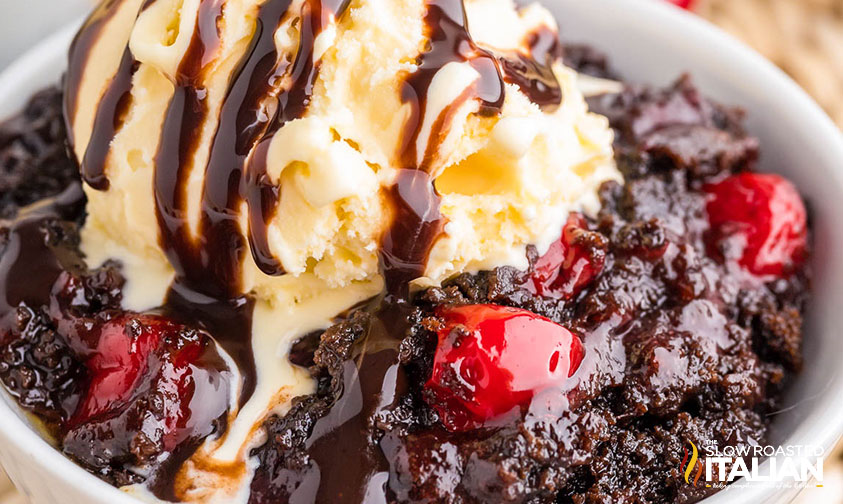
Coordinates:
[255,108]
[180,137]
[209,266]
[446,26]
[111,112]
[260,193]
[30,266]
[208,283]
[115,103]
[658,350]
[416,225]
[80,51]
[533,73]
[346,465]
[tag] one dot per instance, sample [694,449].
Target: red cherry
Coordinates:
[568,265]
[138,355]
[116,365]
[492,359]
[685,4]
[759,220]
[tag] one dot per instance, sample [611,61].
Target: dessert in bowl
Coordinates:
[350,261]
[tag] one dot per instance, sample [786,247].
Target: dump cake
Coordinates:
[332,251]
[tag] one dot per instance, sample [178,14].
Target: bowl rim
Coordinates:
[16,433]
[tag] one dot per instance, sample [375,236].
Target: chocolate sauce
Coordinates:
[111,113]
[255,107]
[34,256]
[260,193]
[115,102]
[37,264]
[228,320]
[263,197]
[30,263]
[211,265]
[208,267]
[346,465]
[180,137]
[416,224]
[533,73]
[205,290]
[447,28]
[80,52]
[416,221]
[241,125]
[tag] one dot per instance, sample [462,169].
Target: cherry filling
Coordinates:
[153,388]
[134,359]
[758,220]
[119,357]
[492,359]
[571,263]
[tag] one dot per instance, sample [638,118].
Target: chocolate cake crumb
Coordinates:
[37,367]
[33,158]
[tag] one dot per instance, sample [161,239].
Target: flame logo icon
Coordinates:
[688,466]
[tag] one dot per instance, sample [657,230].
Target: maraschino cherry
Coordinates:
[685,4]
[569,265]
[760,221]
[147,358]
[493,359]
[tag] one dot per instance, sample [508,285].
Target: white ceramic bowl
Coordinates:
[649,41]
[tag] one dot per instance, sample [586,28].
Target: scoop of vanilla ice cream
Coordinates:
[506,181]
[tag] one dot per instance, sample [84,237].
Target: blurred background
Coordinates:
[22,26]
[803,37]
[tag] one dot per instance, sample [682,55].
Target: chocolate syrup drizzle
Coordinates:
[115,103]
[181,134]
[80,51]
[255,107]
[533,72]
[111,112]
[27,246]
[265,92]
[210,265]
[416,221]
[447,28]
